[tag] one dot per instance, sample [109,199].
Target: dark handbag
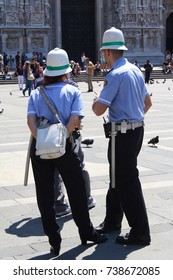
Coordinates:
[107,128]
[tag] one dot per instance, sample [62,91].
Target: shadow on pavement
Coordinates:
[26,227]
[32,227]
[105,251]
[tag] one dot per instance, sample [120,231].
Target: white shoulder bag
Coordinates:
[51,139]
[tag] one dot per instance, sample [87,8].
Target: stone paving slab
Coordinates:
[21,233]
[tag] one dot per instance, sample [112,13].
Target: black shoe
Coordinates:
[55,243]
[105,227]
[55,250]
[130,239]
[23,92]
[95,237]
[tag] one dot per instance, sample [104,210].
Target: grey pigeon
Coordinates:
[88,142]
[154,141]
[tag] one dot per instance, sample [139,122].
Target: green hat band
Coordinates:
[52,68]
[113,44]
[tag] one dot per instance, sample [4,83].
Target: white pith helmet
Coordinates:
[113,39]
[57,63]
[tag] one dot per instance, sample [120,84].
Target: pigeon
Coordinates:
[151,94]
[154,141]
[10,93]
[1,111]
[164,81]
[87,142]
[157,82]
[169,88]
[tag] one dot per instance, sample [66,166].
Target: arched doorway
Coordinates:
[169,32]
[78,28]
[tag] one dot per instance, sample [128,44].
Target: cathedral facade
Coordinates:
[78,26]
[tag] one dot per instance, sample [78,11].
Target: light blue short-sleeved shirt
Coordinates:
[65,98]
[124,92]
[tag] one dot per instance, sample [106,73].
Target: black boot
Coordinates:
[55,242]
[94,237]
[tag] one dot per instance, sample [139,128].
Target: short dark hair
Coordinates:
[47,80]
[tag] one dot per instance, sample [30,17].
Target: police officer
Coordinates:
[68,102]
[127,98]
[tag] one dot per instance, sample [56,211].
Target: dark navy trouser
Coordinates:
[127,197]
[69,167]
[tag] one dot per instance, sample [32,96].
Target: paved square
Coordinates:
[21,232]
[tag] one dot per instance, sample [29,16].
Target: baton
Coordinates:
[113,135]
[27,162]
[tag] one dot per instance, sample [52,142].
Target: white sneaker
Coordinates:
[63,212]
[91,202]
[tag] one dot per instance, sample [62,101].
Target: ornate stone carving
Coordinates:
[37,19]
[142,21]
[11,5]
[47,12]
[37,43]
[12,43]
[37,7]
[132,5]
[22,15]
[12,18]
[1,15]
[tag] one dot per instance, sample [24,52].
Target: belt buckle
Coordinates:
[123,126]
[133,126]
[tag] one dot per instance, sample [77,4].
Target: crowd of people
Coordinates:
[98,69]
[8,64]
[30,71]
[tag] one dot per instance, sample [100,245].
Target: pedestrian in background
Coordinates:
[19,74]
[127,98]
[1,63]
[89,71]
[17,59]
[29,77]
[61,205]
[7,73]
[137,64]
[148,69]
[83,61]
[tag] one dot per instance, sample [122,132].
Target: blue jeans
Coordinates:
[28,87]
